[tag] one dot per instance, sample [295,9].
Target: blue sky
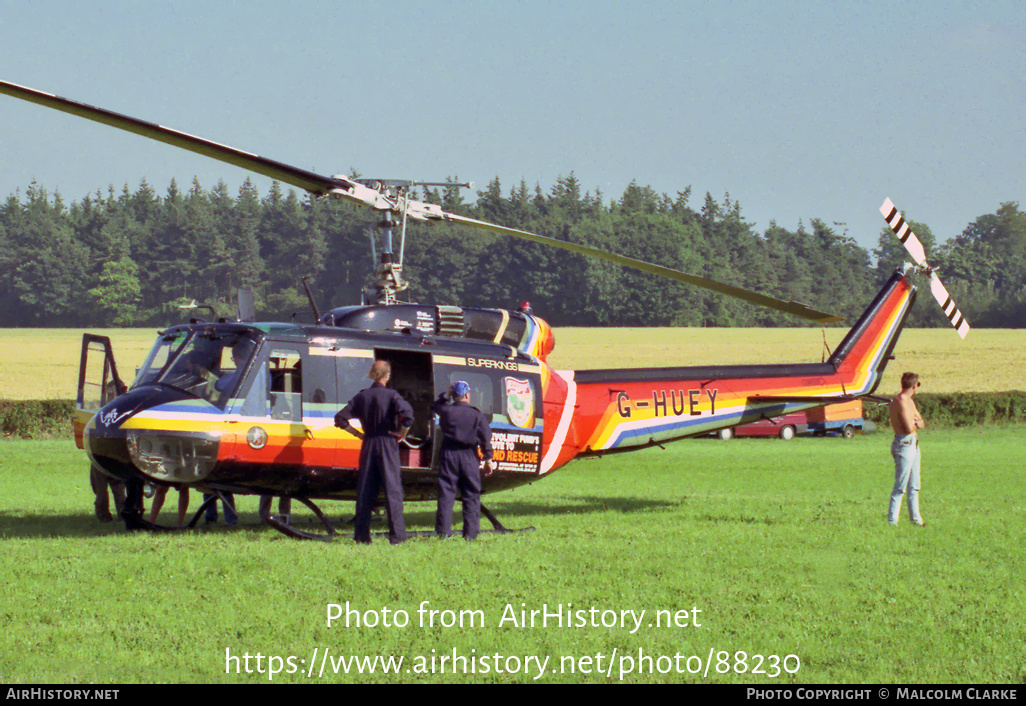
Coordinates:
[798,110]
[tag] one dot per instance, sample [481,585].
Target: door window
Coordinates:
[285,400]
[482,393]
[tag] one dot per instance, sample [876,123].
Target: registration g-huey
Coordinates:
[241,406]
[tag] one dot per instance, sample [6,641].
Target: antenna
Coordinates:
[310,296]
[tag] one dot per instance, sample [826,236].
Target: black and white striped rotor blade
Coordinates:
[912,243]
[951,311]
[903,231]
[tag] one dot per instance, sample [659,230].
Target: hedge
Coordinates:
[36,419]
[959,409]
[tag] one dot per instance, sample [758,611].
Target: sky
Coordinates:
[797,110]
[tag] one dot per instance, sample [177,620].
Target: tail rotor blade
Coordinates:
[914,246]
[903,231]
[954,314]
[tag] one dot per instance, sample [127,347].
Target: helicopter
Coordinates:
[234,405]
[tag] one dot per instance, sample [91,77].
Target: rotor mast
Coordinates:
[388,267]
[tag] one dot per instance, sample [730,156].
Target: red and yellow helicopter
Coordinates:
[235,405]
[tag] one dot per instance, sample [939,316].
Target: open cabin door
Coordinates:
[98,381]
[412,377]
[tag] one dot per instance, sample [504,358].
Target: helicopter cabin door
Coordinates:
[411,378]
[98,381]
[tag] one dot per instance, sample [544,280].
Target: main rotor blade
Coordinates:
[789,307]
[301,178]
[373,197]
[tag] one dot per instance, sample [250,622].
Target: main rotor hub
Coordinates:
[393,198]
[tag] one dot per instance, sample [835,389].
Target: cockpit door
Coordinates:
[98,381]
[287,405]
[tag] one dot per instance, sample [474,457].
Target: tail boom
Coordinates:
[616,410]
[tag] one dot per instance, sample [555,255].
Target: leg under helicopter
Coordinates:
[134,520]
[283,525]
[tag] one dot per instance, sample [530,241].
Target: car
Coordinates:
[842,419]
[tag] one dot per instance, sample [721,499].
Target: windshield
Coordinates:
[166,348]
[210,367]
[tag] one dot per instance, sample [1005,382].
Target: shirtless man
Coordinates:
[905,420]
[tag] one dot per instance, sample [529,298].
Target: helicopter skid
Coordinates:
[289,531]
[281,523]
[136,522]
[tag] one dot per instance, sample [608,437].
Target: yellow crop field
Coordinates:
[43,363]
[988,360]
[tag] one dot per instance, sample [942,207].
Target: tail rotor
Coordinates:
[914,246]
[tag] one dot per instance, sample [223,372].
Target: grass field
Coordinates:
[782,547]
[43,363]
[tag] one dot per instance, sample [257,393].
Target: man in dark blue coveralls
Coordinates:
[464,429]
[386,418]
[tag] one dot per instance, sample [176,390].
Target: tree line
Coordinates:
[132,258]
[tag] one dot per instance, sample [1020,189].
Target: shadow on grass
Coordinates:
[580,505]
[738,519]
[20,524]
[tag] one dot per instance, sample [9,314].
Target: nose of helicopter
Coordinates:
[108,452]
[126,443]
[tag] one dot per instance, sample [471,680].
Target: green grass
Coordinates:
[782,546]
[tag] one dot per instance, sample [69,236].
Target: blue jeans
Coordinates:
[230,516]
[905,450]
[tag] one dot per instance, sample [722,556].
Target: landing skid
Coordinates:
[281,523]
[135,522]
[205,504]
[499,528]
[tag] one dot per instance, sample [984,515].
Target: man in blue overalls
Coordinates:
[386,418]
[464,430]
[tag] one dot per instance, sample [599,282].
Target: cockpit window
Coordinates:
[166,348]
[210,367]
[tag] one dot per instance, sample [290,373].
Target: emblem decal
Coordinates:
[256,437]
[112,417]
[519,402]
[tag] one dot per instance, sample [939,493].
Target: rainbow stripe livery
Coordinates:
[617,410]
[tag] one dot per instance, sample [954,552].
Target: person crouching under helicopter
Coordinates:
[464,430]
[386,418]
